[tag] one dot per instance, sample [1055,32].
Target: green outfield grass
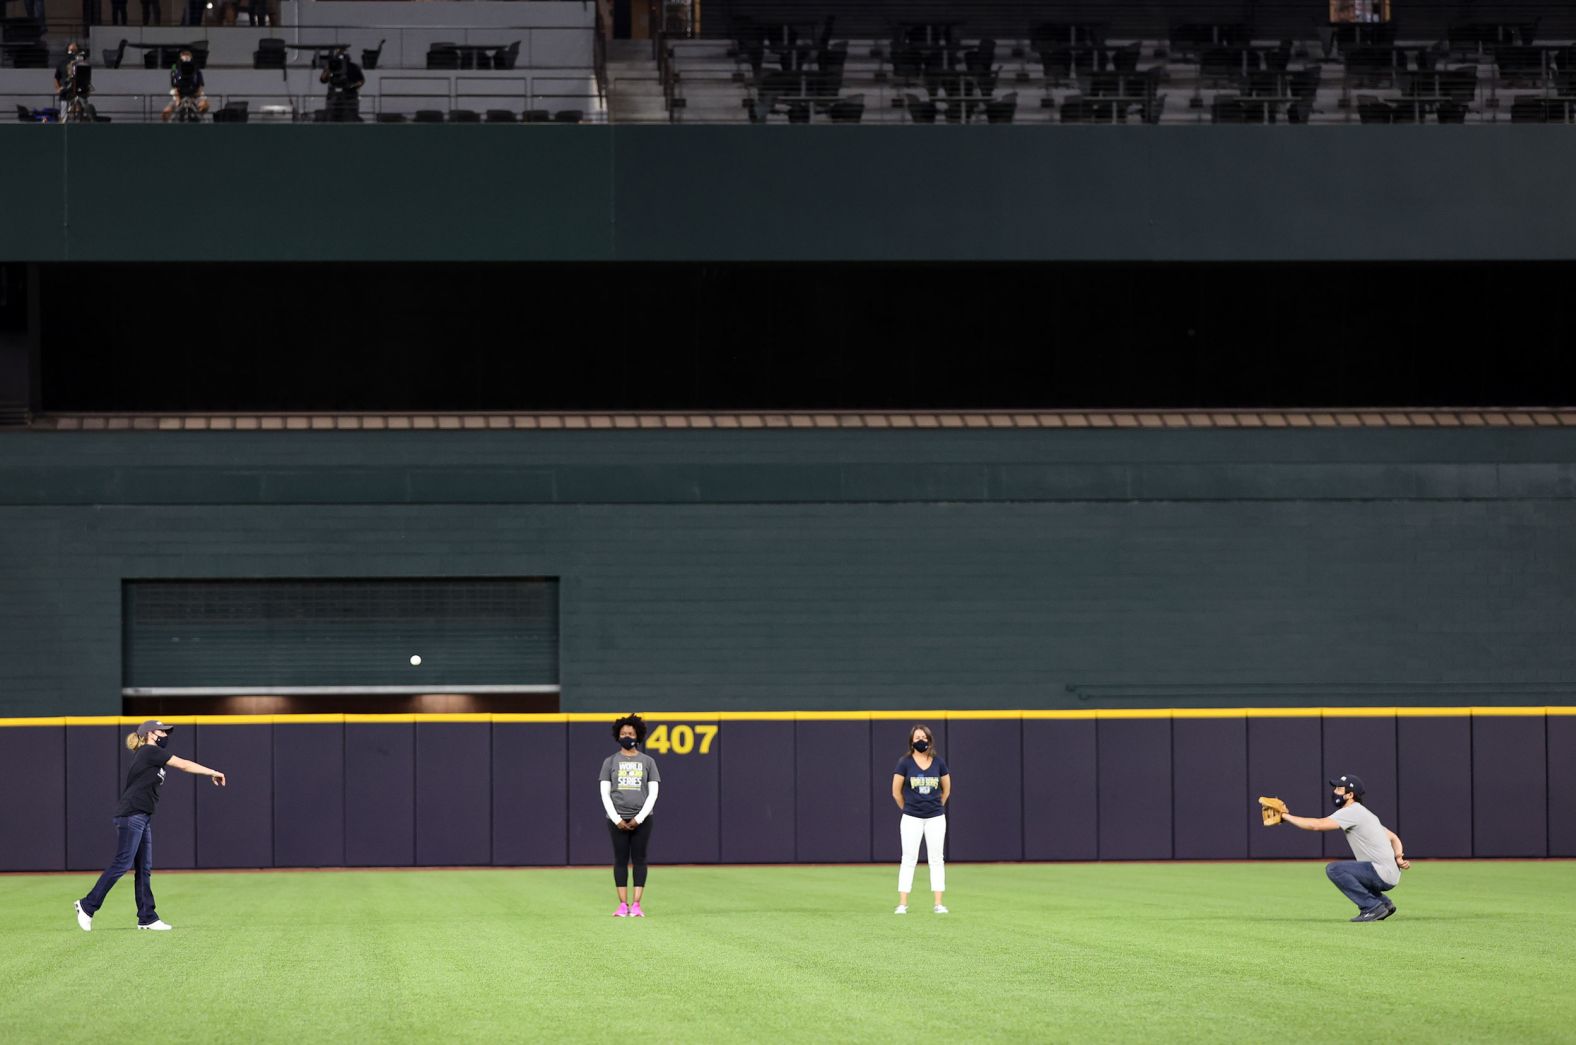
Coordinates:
[1118,952]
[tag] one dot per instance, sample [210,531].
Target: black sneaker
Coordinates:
[1389,909]
[1378,912]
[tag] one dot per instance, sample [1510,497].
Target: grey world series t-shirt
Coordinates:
[630,773]
[1367,837]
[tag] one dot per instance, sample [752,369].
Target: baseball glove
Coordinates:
[1270,809]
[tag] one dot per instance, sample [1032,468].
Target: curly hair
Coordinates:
[631,719]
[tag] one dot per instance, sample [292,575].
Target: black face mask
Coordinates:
[627,743]
[161,741]
[922,746]
[1340,799]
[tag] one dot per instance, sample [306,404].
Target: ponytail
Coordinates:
[134,741]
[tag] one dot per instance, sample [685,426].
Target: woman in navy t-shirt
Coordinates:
[921,786]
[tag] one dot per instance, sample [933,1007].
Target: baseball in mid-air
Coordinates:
[415,659]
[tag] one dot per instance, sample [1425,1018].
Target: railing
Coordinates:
[523,97]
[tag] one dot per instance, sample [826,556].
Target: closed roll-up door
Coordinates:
[273,634]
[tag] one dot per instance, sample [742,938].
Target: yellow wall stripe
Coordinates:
[1083,714]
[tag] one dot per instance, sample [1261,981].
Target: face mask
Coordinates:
[627,743]
[161,741]
[1339,799]
[921,746]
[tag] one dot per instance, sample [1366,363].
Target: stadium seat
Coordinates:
[501,116]
[848,110]
[270,53]
[429,116]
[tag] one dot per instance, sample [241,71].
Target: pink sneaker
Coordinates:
[636,912]
[623,910]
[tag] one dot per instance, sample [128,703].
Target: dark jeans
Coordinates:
[627,846]
[135,850]
[1360,882]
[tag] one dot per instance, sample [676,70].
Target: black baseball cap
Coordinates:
[150,725]
[1354,784]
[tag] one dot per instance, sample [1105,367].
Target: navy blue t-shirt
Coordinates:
[921,787]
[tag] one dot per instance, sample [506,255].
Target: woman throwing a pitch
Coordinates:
[134,823]
[629,792]
[921,786]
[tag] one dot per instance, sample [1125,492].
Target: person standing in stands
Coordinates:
[134,823]
[345,80]
[921,786]
[629,784]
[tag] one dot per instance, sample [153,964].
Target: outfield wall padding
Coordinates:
[1434,767]
[1060,814]
[1366,742]
[1509,787]
[1209,758]
[380,794]
[309,795]
[513,790]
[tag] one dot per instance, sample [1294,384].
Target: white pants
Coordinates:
[934,831]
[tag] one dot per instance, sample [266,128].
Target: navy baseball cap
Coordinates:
[1354,784]
[150,725]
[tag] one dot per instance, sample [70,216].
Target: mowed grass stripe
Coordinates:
[1113,952]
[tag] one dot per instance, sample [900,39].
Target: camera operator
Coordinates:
[73,77]
[345,79]
[185,82]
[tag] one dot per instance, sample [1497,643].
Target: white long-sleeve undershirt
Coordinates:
[645,810]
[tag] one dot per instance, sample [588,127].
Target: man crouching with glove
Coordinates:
[1379,855]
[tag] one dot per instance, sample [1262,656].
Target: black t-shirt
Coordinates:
[142,780]
[185,82]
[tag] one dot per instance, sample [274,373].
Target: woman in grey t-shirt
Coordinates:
[629,791]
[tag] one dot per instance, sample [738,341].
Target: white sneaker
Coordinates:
[939,909]
[84,920]
[902,908]
[159,926]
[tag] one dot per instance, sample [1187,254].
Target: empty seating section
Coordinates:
[441,60]
[984,62]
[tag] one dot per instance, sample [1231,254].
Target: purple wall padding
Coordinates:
[1434,762]
[93,784]
[530,793]
[589,744]
[453,793]
[309,795]
[1562,785]
[1134,773]
[1364,746]
[985,819]
[380,794]
[1059,813]
[685,819]
[1209,778]
[1285,759]
[235,823]
[1510,810]
[33,818]
[175,822]
[888,743]
[757,817]
[832,776]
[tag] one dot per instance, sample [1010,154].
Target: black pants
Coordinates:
[630,846]
[151,15]
[117,12]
